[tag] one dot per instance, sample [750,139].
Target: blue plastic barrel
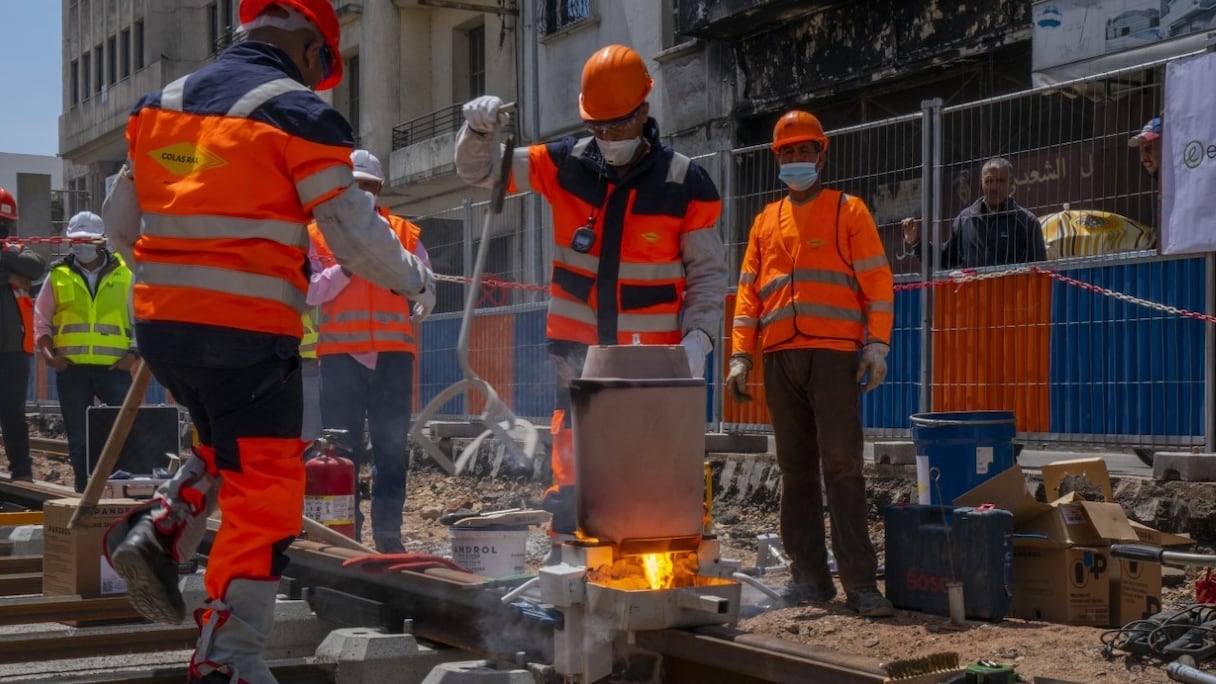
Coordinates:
[955,451]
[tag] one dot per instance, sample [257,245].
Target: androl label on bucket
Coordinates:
[474,548]
[983,459]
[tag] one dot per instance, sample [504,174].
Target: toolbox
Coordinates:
[928,546]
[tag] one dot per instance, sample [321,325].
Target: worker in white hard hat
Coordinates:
[82,329]
[367,344]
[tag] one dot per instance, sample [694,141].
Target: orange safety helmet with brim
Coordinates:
[322,15]
[615,83]
[798,126]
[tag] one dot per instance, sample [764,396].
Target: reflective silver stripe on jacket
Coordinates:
[85,350]
[839,313]
[262,94]
[222,280]
[196,227]
[659,322]
[377,335]
[670,270]
[746,322]
[381,317]
[314,187]
[171,95]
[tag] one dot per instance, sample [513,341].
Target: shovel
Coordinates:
[499,420]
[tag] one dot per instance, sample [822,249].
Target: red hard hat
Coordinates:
[615,82]
[798,126]
[322,15]
[8,205]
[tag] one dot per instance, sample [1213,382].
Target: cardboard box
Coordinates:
[1073,521]
[1006,491]
[72,560]
[1068,584]
[1135,590]
[1091,470]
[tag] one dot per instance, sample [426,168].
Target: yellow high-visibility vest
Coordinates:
[92,329]
[308,343]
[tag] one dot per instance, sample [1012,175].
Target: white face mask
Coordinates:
[618,152]
[84,253]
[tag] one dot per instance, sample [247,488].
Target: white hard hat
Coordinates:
[367,167]
[86,224]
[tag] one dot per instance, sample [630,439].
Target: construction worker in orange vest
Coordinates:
[636,256]
[18,269]
[814,289]
[226,168]
[367,344]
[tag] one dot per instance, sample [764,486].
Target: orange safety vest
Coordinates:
[25,304]
[631,281]
[224,241]
[365,317]
[824,284]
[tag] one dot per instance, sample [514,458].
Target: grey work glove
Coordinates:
[697,346]
[873,364]
[736,382]
[483,114]
[423,303]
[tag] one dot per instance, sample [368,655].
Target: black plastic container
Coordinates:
[928,546]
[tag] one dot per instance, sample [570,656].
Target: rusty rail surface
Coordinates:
[447,607]
[50,446]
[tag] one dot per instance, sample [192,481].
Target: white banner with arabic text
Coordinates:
[1188,173]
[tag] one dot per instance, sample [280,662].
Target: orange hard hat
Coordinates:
[798,126]
[615,83]
[8,205]
[322,15]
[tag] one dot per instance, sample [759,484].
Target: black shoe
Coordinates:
[797,593]
[869,602]
[150,573]
[562,504]
[388,544]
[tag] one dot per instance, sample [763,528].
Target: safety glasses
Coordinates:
[602,129]
[327,57]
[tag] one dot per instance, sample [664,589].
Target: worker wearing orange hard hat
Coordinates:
[816,299]
[226,168]
[636,255]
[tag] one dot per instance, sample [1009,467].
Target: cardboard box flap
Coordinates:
[1075,521]
[1083,473]
[1148,535]
[1006,491]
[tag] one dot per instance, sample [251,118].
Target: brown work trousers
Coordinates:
[815,401]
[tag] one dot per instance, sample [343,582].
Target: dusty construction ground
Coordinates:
[1061,652]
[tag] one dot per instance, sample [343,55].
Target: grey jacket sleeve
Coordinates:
[26,263]
[705,275]
[476,156]
[362,242]
[122,216]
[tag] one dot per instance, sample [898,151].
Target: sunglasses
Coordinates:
[601,129]
[327,57]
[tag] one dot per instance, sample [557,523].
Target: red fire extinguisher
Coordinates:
[329,489]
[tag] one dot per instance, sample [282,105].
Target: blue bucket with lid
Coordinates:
[956,451]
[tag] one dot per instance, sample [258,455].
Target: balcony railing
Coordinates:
[427,126]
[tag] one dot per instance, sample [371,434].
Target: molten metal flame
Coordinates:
[660,569]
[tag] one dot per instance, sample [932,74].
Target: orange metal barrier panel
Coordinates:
[490,356]
[991,348]
[754,412]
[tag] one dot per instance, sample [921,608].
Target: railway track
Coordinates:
[439,605]
[49,446]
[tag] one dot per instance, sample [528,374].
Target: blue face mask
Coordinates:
[799,175]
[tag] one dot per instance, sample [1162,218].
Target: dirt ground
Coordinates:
[1035,649]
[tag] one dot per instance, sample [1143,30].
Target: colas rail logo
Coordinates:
[183,158]
[1195,151]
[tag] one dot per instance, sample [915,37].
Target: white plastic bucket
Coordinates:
[490,552]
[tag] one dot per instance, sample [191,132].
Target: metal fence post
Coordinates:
[1209,352]
[466,264]
[724,160]
[930,198]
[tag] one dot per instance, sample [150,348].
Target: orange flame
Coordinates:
[660,569]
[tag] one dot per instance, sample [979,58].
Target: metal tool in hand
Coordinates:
[499,420]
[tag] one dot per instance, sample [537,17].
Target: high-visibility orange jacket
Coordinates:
[813,276]
[25,304]
[632,280]
[229,162]
[17,318]
[365,317]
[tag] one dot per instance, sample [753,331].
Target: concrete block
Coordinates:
[895,453]
[476,672]
[359,655]
[193,592]
[723,443]
[1185,466]
[297,630]
[26,540]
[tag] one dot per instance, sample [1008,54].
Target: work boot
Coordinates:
[141,558]
[562,503]
[796,593]
[869,602]
[232,633]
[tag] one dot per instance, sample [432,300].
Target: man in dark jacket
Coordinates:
[18,269]
[994,231]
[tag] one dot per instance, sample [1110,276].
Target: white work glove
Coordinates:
[697,345]
[736,382]
[422,305]
[874,364]
[483,115]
